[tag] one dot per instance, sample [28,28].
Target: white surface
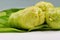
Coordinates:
[31,36]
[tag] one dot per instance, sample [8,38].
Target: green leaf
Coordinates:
[4,30]
[4,15]
[44,26]
[12,10]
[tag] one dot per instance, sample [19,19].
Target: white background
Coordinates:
[6,4]
[49,35]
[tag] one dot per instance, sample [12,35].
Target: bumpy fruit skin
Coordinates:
[44,5]
[28,18]
[53,18]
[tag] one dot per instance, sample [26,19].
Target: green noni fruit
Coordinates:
[44,5]
[53,18]
[28,18]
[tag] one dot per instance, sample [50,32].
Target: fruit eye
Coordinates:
[50,19]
